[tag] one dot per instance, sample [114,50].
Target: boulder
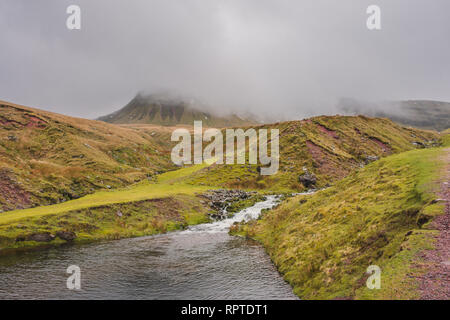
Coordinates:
[309,180]
[66,235]
[371,159]
[41,237]
[419,144]
[220,200]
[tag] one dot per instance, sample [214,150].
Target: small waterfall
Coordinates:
[247,214]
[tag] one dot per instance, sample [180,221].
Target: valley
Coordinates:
[69,181]
[203,151]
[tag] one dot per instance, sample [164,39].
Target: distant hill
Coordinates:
[162,109]
[424,114]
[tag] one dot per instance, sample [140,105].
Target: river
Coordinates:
[202,262]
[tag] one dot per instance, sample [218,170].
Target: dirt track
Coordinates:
[435,284]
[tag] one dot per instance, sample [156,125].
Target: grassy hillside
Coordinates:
[445,137]
[329,147]
[169,111]
[48,158]
[142,209]
[105,181]
[378,215]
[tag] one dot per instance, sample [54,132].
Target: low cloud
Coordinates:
[273,58]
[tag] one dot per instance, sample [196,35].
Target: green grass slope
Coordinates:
[142,209]
[328,146]
[47,158]
[378,215]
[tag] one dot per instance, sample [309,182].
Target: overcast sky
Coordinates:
[288,58]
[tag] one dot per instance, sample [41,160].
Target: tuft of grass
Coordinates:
[445,138]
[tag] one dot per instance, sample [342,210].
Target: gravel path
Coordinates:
[435,284]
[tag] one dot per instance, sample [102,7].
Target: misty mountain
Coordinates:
[169,110]
[424,114]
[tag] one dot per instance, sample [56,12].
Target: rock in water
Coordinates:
[220,200]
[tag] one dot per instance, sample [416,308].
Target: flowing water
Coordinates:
[202,262]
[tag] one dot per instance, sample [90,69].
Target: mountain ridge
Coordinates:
[422,114]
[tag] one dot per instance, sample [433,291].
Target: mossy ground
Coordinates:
[145,208]
[445,138]
[109,222]
[379,215]
[141,191]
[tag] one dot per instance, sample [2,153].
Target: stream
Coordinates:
[201,262]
